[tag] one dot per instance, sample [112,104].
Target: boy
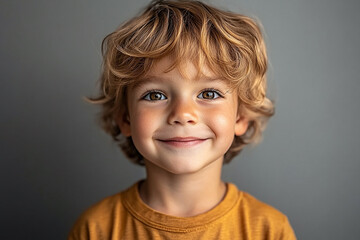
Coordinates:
[183,91]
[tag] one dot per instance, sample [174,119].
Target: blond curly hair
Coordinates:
[230,44]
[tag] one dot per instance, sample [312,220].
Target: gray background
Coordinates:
[55,160]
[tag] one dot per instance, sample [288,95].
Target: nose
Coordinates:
[183,112]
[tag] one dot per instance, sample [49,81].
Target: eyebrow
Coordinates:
[143,80]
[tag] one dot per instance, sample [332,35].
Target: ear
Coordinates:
[241,125]
[123,121]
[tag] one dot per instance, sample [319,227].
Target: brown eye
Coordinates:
[209,94]
[154,96]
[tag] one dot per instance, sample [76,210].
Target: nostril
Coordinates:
[191,121]
[183,118]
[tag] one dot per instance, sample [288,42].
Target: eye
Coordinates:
[154,96]
[209,94]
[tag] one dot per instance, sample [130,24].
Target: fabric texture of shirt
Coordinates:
[238,216]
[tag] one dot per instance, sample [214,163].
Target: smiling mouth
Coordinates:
[183,142]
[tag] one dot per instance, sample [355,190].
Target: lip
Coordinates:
[183,141]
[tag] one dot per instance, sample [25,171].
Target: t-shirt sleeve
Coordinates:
[98,221]
[287,231]
[80,230]
[91,225]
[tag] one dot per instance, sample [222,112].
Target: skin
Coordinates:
[182,126]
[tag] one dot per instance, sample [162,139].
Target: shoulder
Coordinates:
[99,220]
[264,219]
[102,209]
[259,209]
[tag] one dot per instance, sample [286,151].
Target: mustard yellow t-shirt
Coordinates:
[237,216]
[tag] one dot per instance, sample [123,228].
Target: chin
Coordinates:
[183,167]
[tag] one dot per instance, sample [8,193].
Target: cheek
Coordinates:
[222,122]
[143,123]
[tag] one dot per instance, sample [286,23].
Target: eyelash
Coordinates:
[147,95]
[212,90]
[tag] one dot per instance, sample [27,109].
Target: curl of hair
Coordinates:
[230,44]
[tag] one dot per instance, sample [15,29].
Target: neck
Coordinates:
[183,195]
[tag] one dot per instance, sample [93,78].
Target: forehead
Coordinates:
[166,69]
[187,68]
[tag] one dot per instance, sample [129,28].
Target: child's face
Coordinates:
[182,124]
